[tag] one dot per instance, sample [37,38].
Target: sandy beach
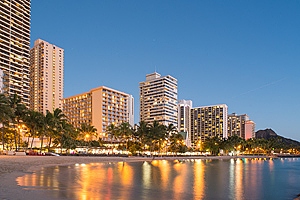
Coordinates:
[12,167]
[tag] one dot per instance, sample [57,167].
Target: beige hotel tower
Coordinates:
[14,47]
[158,99]
[100,107]
[47,76]
[207,122]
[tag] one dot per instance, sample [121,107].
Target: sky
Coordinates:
[245,54]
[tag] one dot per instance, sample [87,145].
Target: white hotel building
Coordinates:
[158,99]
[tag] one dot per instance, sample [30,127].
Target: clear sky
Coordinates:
[245,54]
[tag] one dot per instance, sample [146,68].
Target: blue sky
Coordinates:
[245,54]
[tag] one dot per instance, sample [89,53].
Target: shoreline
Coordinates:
[12,167]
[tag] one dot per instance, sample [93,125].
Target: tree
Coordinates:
[113,133]
[5,114]
[125,133]
[142,132]
[34,122]
[171,129]
[233,143]
[18,112]
[46,127]
[156,135]
[176,143]
[57,126]
[87,132]
[212,144]
[69,136]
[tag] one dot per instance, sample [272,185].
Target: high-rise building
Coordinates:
[47,76]
[184,115]
[99,107]
[184,119]
[207,122]
[249,129]
[158,99]
[14,47]
[236,124]
[241,126]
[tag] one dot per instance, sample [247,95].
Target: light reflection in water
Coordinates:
[199,181]
[146,175]
[161,179]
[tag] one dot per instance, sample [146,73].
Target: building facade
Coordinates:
[99,107]
[15,46]
[236,125]
[184,119]
[47,76]
[158,99]
[241,125]
[249,129]
[207,122]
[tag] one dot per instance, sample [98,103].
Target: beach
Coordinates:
[12,167]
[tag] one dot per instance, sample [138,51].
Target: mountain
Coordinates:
[269,134]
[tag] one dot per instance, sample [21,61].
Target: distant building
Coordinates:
[249,129]
[15,45]
[184,115]
[158,99]
[207,122]
[184,119]
[99,107]
[240,125]
[236,124]
[47,76]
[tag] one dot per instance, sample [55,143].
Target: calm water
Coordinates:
[184,179]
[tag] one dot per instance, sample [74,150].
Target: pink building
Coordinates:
[249,129]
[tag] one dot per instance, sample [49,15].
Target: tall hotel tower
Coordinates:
[100,107]
[14,47]
[241,125]
[236,125]
[158,99]
[184,115]
[207,122]
[46,75]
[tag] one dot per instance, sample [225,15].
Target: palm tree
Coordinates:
[46,127]
[5,114]
[125,132]
[156,134]
[171,129]
[176,143]
[142,131]
[212,144]
[69,136]
[19,110]
[87,132]
[233,143]
[113,133]
[56,125]
[33,121]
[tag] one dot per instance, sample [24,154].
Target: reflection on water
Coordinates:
[179,179]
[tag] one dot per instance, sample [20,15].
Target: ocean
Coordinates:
[183,179]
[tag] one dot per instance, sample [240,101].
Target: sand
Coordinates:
[12,167]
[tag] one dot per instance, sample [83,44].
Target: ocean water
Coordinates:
[252,179]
